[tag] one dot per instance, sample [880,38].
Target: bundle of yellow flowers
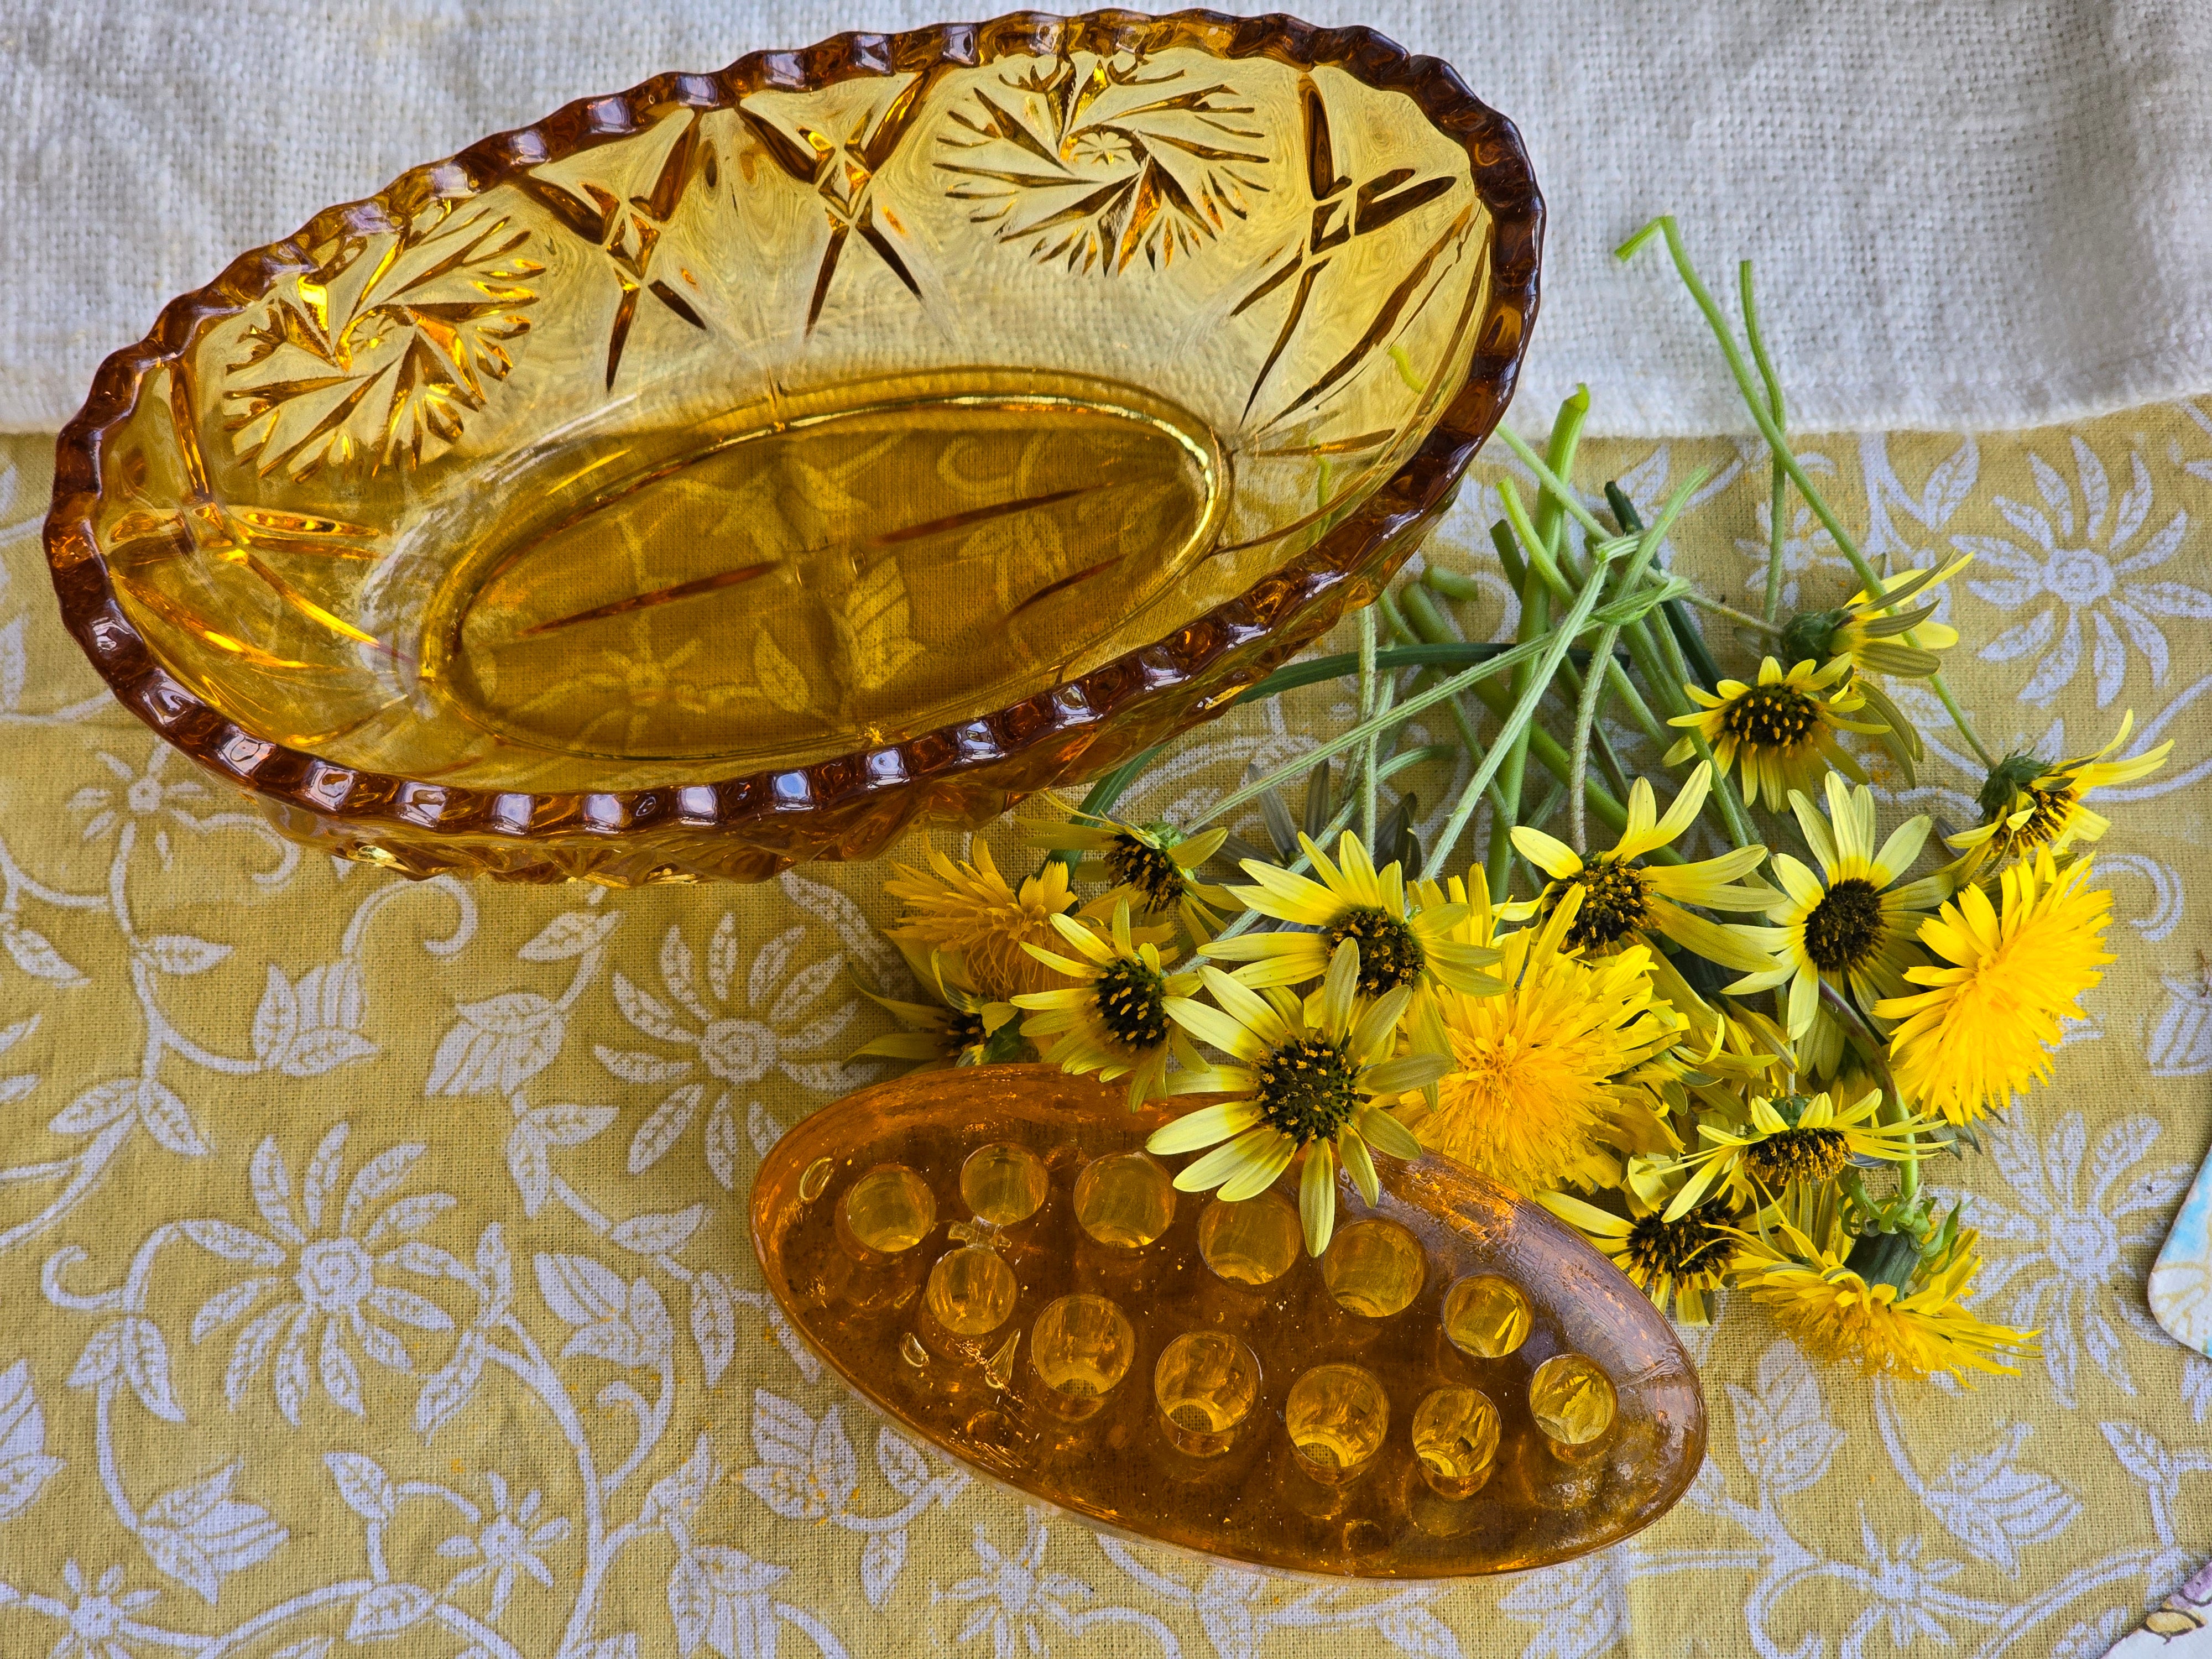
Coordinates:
[1727,1072]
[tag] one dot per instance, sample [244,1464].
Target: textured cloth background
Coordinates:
[1968,213]
[374,1263]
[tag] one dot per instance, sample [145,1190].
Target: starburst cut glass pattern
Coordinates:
[1173,1367]
[726,472]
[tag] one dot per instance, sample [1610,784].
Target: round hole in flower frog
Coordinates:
[972,1291]
[1125,1199]
[1004,1183]
[1373,1268]
[889,1210]
[1485,1316]
[1254,1240]
[1572,1401]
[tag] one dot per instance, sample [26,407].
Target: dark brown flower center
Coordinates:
[1307,1089]
[1132,861]
[1845,930]
[2050,810]
[963,1032]
[1777,716]
[1697,1242]
[1615,904]
[1389,953]
[1799,1154]
[1131,1003]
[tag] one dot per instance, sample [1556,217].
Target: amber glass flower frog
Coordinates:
[1457,1385]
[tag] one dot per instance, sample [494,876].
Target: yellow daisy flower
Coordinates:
[1626,901]
[1783,729]
[1680,1262]
[1864,633]
[1402,945]
[969,908]
[2008,972]
[1113,1020]
[2028,804]
[1306,1075]
[1792,1140]
[958,1030]
[1150,865]
[1846,926]
[1887,1306]
[1534,1074]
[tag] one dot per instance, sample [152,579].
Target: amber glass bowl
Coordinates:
[723,473]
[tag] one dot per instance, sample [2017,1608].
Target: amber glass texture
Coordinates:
[1228,1477]
[727,472]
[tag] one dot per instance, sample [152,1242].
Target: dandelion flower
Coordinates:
[970,909]
[958,1030]
[1113,1020]
[1783,729]
[1403,945]
[1680,1262]
[1626,901]
[1847,925]
[1150,865]
[1792,1141]
[1306,1075]
[2009,971]
[2028,804]
[1888,1306]
[1531,1077]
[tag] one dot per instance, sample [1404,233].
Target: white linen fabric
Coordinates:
[1965,213]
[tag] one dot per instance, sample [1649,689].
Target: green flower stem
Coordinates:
[1334,827]
[1631,699]
[1371,756]
[1424,619]
[1549,753]
[1109,789]
[1551,481]
[1536,622]
[1559,459]
[1780,478]
[1637,634]
[1509,553]
[1352,735]
[1958,719]
[1647,548]
[1451,583]
[1578,757]
[1740,619]
[1739,826]
[1538,562]
[1504,662]
[1548,540]
[1523,713]
[1778,442]
[1315,670]
[1892,1110]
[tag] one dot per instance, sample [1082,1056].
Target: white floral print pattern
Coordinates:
[2082,574]
[487,1149]
[2071,1246]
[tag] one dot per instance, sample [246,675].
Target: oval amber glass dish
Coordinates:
[1460,1385]
[723,473]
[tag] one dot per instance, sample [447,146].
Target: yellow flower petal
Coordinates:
[1206,1126]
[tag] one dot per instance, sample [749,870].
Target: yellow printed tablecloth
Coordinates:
[374,1268]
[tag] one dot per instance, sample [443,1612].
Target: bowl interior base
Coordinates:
[868,563]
